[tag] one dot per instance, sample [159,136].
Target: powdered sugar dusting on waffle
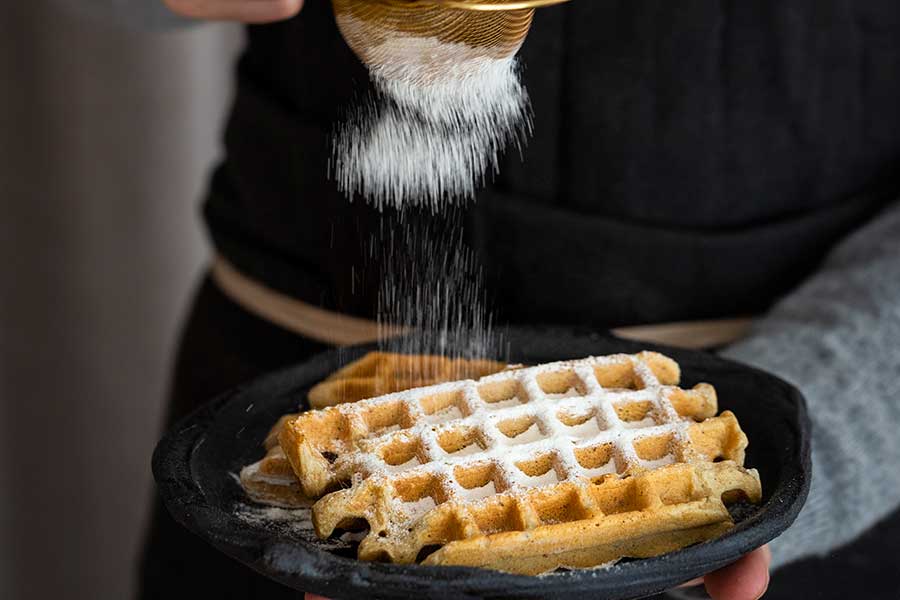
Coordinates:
[254,472]
[480,493]
[531,438]
[451,413]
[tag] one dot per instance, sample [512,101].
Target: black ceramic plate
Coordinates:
[194,466]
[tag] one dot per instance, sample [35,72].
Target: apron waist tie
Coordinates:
[339,329]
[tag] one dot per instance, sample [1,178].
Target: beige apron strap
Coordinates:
[292,314]
[342,330]
[693,335]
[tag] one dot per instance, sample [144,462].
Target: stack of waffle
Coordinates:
[570,464]
[272,481]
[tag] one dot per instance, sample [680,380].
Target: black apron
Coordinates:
[691,159]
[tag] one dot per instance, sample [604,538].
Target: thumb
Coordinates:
[747,579]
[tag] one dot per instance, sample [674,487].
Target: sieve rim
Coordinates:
[475,5]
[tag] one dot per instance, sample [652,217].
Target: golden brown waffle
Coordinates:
[379,373]
[271,480]
[568,464]
[582,526]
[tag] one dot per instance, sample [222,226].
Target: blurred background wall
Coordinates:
[106,137]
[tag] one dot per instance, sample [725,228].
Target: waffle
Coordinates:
[379,373]
[271,480]
[569,464]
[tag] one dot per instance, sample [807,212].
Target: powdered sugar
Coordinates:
[608,469]
[504,404]
[479,493]
[253,472]
[564,571]
[451,413]
[440,117]
[296,523]
[546,435]
[387,430]
[469,450]
[587,430]
[551,477]
[431,283]
[298,519]
[643,423]
[659,462]
[410,464]
[532,434]
[570,393]
[293,522]
[415,510]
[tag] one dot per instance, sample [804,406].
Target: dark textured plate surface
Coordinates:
[195,463]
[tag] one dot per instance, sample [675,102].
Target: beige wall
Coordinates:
[106,137]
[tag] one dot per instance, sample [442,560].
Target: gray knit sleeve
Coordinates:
[137,14]
[837,338]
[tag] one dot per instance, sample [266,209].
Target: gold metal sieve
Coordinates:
[464,29]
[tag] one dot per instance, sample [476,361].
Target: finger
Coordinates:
[692,583]
[747,579]
[245,11]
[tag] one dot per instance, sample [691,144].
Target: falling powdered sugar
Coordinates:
[435,127]
[432,285]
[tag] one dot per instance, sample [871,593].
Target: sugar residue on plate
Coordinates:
[296,523]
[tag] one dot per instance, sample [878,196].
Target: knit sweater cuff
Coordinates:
[836,339]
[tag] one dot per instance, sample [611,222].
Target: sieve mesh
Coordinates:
[484,28]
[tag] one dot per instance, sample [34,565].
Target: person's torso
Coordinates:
[689,159]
